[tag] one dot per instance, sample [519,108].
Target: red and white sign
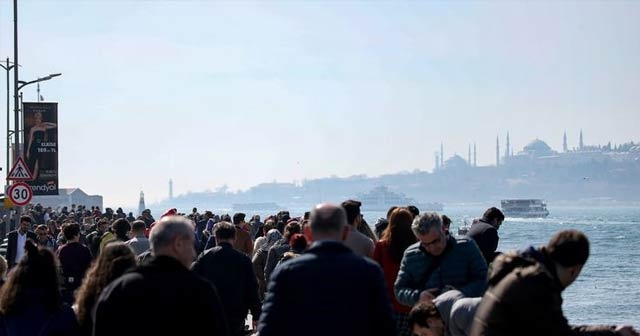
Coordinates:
[20,193]
[20,171]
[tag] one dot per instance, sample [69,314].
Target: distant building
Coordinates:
[539,153]
[68,196]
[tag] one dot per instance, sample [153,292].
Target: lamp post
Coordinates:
[8,68]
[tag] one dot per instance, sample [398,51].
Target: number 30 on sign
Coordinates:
[20,193]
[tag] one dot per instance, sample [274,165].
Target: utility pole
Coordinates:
[16,114]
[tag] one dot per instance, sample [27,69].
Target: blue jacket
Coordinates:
[461,266]
[328,290]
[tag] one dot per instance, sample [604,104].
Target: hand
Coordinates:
[626,330]
[427,295]
[254,326]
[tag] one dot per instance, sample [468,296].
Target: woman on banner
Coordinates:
[37,135]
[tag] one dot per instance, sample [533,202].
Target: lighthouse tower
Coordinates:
[141,205]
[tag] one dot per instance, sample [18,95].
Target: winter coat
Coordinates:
[232,274]
[486,236]
[160,297]
[328,290]
[524,298]
[461,266]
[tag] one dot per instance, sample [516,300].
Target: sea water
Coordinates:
[608,289]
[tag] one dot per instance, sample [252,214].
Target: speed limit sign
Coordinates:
[20,193]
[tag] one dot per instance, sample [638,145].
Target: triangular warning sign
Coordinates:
[20,171]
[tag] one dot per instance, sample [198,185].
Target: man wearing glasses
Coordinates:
[44,239]
[437,263]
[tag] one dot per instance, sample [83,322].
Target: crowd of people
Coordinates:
[81,271]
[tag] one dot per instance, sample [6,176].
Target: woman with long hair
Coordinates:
[30,300]
[388,253]
[116,258]
[37,135]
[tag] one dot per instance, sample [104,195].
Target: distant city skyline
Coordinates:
[238,93]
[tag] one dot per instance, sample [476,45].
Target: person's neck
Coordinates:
[224,241]
[326,237]
[22,232]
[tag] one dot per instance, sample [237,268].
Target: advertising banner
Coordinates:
[41,146]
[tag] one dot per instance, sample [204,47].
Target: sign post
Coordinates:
[20,171]
[20,193]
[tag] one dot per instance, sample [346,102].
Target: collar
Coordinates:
[328,246]
[225,244]
[166,262]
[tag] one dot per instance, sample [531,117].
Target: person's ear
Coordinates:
[307,233]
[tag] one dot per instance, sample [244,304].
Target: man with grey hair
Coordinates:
[343,294]
[163,292]
[437,263]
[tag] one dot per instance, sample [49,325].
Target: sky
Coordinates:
[237,93]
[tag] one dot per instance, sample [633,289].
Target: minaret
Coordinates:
[141,205]
[475,155]
[507,152]
[497,151]
[565,147]
[469,156]
[170,189]
[581,143]
[441,155]
[437,162]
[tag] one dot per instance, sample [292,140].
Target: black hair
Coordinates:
[414,210]
[238,217]
[491,214]
[224,231]
[71,230]
[352,208]
[569,248]
[421,312]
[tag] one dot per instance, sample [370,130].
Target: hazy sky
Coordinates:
[211,93]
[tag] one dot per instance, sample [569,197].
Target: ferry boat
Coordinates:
[524,208]
[265,206]
[381,199]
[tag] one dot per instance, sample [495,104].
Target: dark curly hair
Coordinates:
[112,262]
[37,270]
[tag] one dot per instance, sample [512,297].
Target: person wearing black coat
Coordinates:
[22,233]
[328,290]
[232,274]
[485,233]
[162,296]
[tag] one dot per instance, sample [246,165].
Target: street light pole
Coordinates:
[16,135]
[8,68]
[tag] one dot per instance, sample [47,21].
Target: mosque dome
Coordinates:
[455,162]
[538,148]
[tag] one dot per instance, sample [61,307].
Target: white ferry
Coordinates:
[381,199]
[264,206]
[524,208]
